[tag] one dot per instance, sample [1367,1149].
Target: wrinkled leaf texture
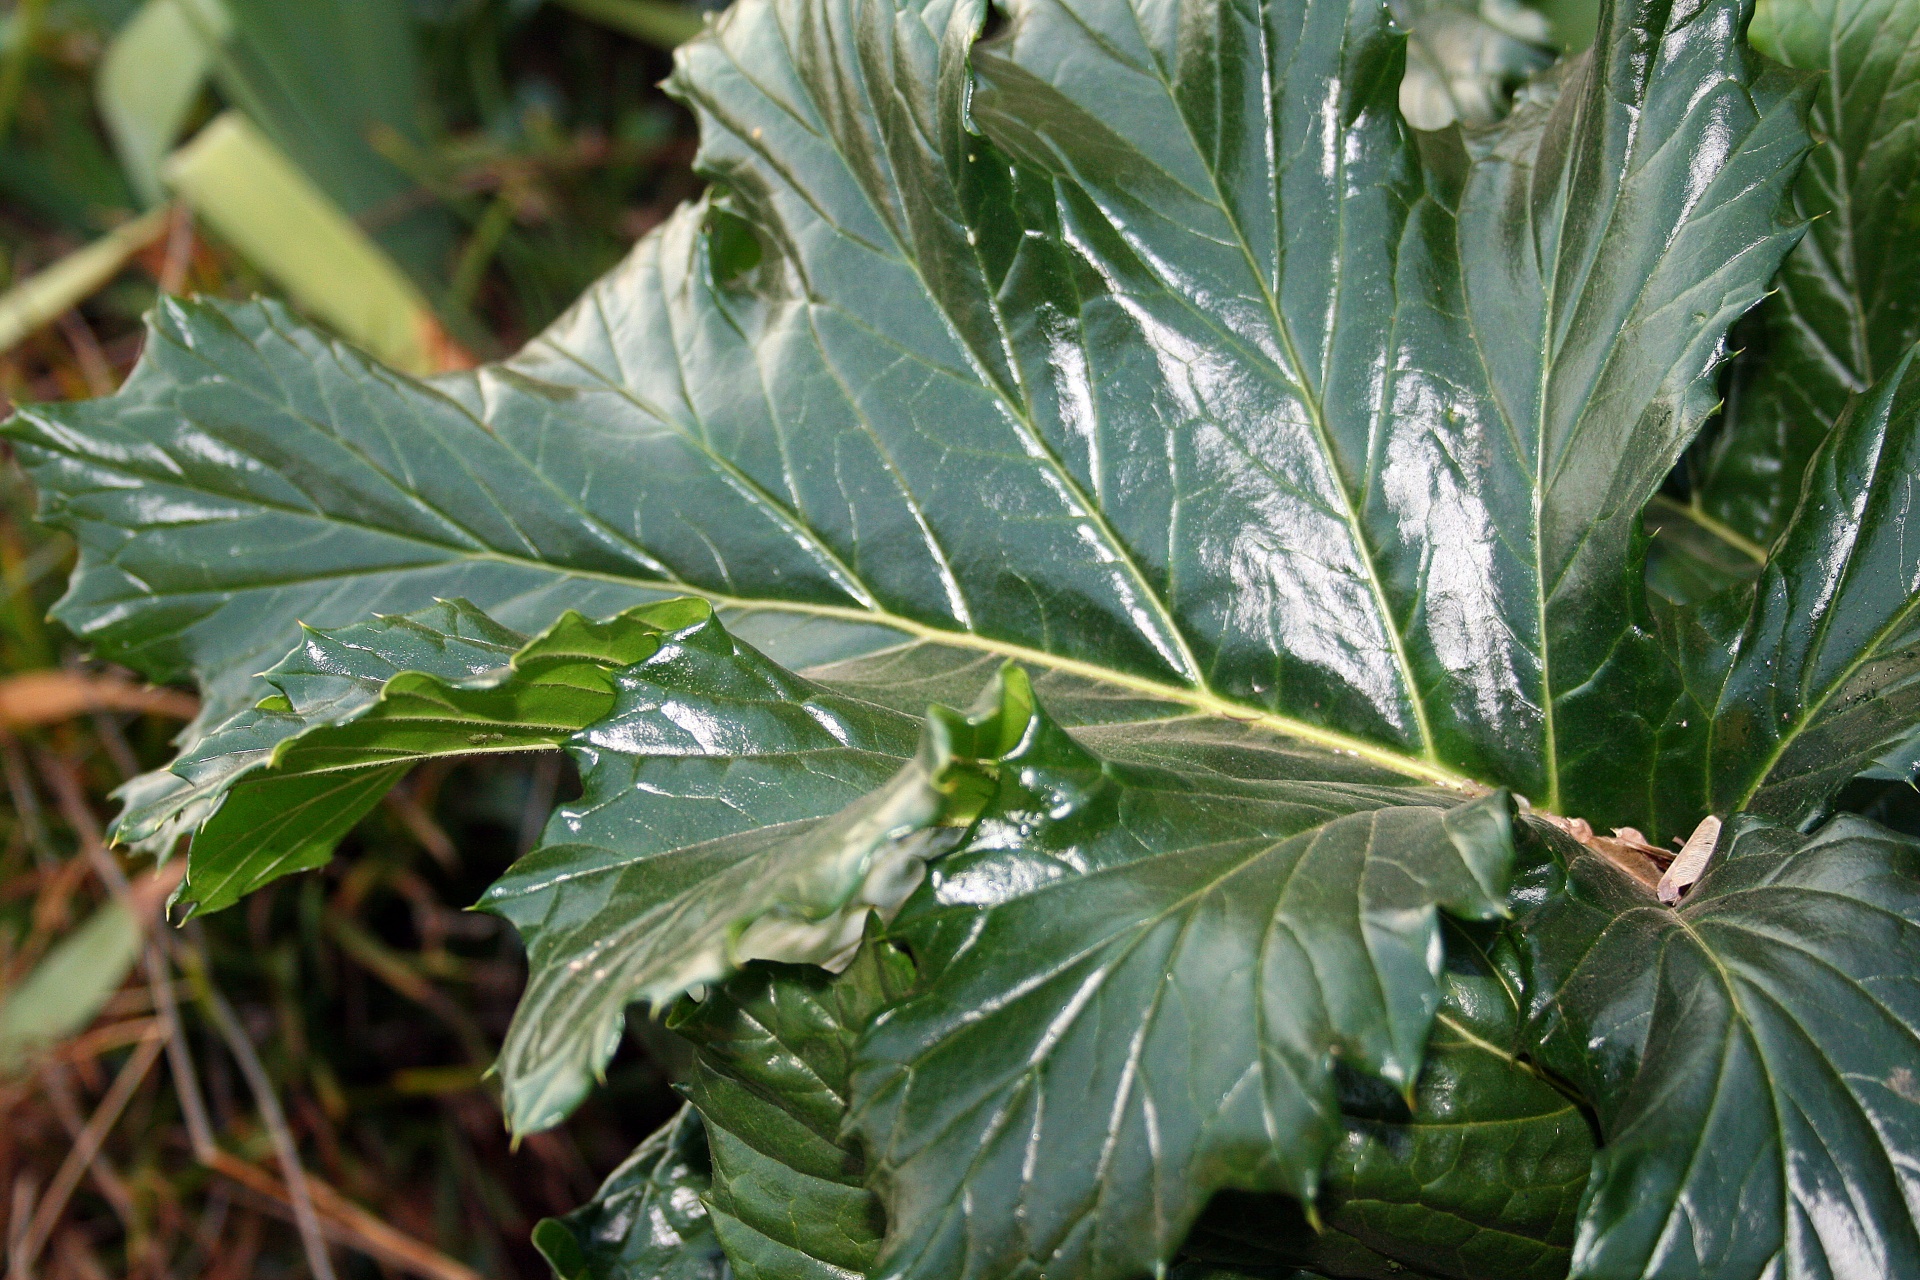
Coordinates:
[1847,308]
[1755,1075]
[1296,460]
[1820,681]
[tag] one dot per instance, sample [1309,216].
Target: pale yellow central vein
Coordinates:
[1201,700]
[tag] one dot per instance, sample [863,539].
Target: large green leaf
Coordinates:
[1296,460]
[953,381]
[772,1079]
[1848,305]
[1751,1055]
[732,811]
[1481,1178]
[1821,679]
[1484,1177]
[647,1221]
[1133,979]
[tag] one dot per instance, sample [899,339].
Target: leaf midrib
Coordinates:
[1201,700]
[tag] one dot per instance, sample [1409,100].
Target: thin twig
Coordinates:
[19,1215]
[173,268]
[299,1195]
[74,1256]
[59,1089]
[419,824]
[318,1211]
[67,1177]
[392,969]
[186,1079]
[26,805]
[65,784]
[349,1224]
[48,697]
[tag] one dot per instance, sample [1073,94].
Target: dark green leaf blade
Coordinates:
[1824,683]
[733,810]
[1481,1178]
[1751,1055]
[1848,305]
[1032,299]
[730,811]
[1485,1177]
[1133,980]
[647,1221]
[771,1078]
[1572,389]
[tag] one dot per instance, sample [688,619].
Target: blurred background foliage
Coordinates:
[434,180]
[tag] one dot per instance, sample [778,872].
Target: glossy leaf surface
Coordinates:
[733,811]
[1276,472]
[1482,1177]
[1751,1055]
[1848,305]
[1133,977]
[647,1221]
[1096,302]
[1823,679]
[772,1078]
[273,789]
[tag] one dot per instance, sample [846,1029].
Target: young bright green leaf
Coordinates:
[1825,680]
[647,1221]
[272,790]
[772,1079]
[1848,306]
[1133,979]
[1751,1055]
